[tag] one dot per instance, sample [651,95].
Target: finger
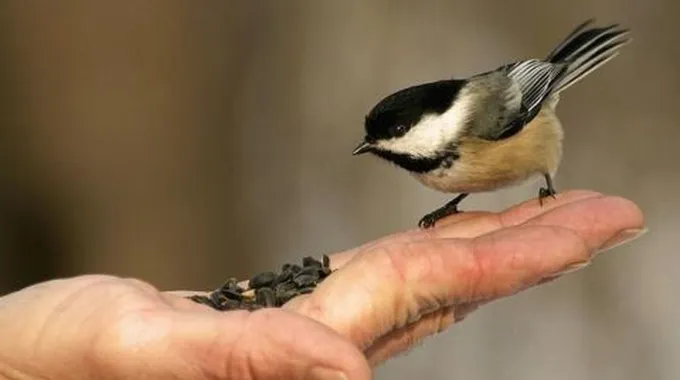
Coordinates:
[470,224]
[411,335]
[592,223]
[592,218]
[266,344]
[512,216]
[396,283]
[530,208]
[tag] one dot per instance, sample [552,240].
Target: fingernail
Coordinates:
[323,373]
[548,279]
[573,268]
[568,269]
[623,237]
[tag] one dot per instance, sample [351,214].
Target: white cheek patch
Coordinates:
[433,133]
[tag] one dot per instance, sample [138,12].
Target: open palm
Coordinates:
[384,297]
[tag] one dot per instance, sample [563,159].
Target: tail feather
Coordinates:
[560,49]
[585,50]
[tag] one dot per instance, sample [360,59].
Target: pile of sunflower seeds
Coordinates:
[268,289]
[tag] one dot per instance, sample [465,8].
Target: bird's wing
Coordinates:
[514,95]
[534,78]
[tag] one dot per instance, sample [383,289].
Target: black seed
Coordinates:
[286,296]
[286,286]
[232,294]
[310,271]
[295,268]
[304,280]
[284,292]
[283,277]
[266,297]
[311,262]
[262,279]
[217,298]
[306,290]
[231,284]
[269,289]
[203,300]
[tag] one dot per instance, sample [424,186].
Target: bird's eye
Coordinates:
[397,130]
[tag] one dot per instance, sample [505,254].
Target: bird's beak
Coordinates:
[362,148]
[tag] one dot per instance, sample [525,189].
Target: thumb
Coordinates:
[266,344]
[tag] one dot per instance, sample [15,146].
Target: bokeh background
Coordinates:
[182,142]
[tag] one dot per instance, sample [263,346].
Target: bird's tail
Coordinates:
[584,50]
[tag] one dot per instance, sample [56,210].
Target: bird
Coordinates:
[491,130]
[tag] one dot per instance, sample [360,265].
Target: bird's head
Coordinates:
[415,125]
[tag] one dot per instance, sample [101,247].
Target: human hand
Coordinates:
[104,327]
[391,293]
[386,295]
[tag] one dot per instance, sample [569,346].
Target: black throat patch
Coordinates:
[419,164]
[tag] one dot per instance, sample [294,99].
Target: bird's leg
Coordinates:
[548,191]
[448,209]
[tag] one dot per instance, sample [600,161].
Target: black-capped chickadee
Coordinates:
[491,130]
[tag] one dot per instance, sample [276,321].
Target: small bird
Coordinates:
[491,130]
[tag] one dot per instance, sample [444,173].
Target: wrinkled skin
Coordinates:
[386,296]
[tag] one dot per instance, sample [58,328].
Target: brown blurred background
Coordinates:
[181,142]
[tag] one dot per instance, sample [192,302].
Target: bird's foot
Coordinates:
[430,219]
[545,192]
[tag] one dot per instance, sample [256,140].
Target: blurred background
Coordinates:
[184,142]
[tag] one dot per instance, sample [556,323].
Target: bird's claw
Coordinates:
[545,192]
[427,221]
[432,218]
